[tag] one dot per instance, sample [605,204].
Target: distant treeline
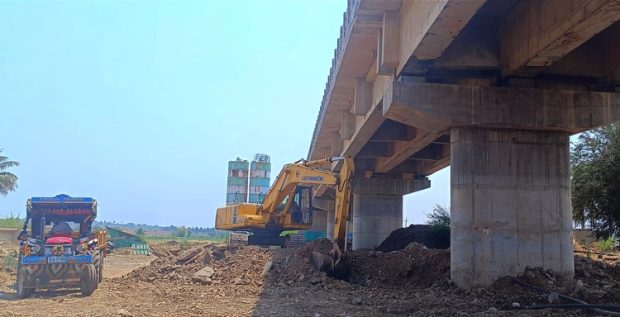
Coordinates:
[172,230]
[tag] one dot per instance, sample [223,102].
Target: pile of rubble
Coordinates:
[8,263]
[415,266]
[205,264]
[410,280]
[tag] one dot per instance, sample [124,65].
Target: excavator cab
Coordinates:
[299,215]
[301,207]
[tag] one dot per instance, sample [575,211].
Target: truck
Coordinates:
[288,206]
[58,246]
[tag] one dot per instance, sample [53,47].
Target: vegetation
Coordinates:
[11,221]
[9,262]
[8,181]
[595,173]
[439,217]
[162,239]
[607,245]
[157,234]
[182,231]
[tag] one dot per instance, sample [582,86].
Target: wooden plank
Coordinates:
[538,33]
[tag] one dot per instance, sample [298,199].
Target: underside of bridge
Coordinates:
[493,88]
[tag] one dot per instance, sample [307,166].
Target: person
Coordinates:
[61,228]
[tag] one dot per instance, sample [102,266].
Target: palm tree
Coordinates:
[8,181]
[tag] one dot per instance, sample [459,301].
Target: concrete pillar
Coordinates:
[330,224]
[375,216]
[324,216]
[319,221]
[378,208]
[510,204]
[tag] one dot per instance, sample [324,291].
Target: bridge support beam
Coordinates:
[511,204]
[378,208]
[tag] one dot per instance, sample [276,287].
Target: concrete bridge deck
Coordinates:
[493,88]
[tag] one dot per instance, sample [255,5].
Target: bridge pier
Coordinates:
[510,180]
[319,221]
[378,208]
[375,216]
[331,214]
[511,204]
[321,215]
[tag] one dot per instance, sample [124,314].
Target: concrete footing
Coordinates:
[510,204]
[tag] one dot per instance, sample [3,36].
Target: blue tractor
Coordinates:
[60,250]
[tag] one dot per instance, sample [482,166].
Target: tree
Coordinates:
[181,231]
[595,179]
[8,181]
[140,232]
[439,217]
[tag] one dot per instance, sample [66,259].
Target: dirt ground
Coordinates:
[215,280]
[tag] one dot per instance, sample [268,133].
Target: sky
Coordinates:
[141,104]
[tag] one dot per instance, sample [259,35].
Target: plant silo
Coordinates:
[237,184]
[260,173]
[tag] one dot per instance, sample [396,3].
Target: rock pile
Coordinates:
[206,264]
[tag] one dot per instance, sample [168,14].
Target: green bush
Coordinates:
[439,217]
[11,221]
[9,262]
[607,244]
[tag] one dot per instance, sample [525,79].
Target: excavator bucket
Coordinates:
[335,263]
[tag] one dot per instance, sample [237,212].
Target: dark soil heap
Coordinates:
[413,267]
[434,237]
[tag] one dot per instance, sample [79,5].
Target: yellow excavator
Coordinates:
[288,206]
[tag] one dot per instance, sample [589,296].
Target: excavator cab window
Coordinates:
[301,208]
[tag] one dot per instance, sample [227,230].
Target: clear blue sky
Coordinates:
[140,104]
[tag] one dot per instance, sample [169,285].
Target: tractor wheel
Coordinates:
[89,280]
[22,281]
[100,268]
[98,261]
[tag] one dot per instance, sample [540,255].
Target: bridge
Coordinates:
[491,88]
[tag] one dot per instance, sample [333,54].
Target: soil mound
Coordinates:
[434,237]
[8,262]
[412,267]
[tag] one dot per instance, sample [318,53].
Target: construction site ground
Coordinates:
[206,279]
